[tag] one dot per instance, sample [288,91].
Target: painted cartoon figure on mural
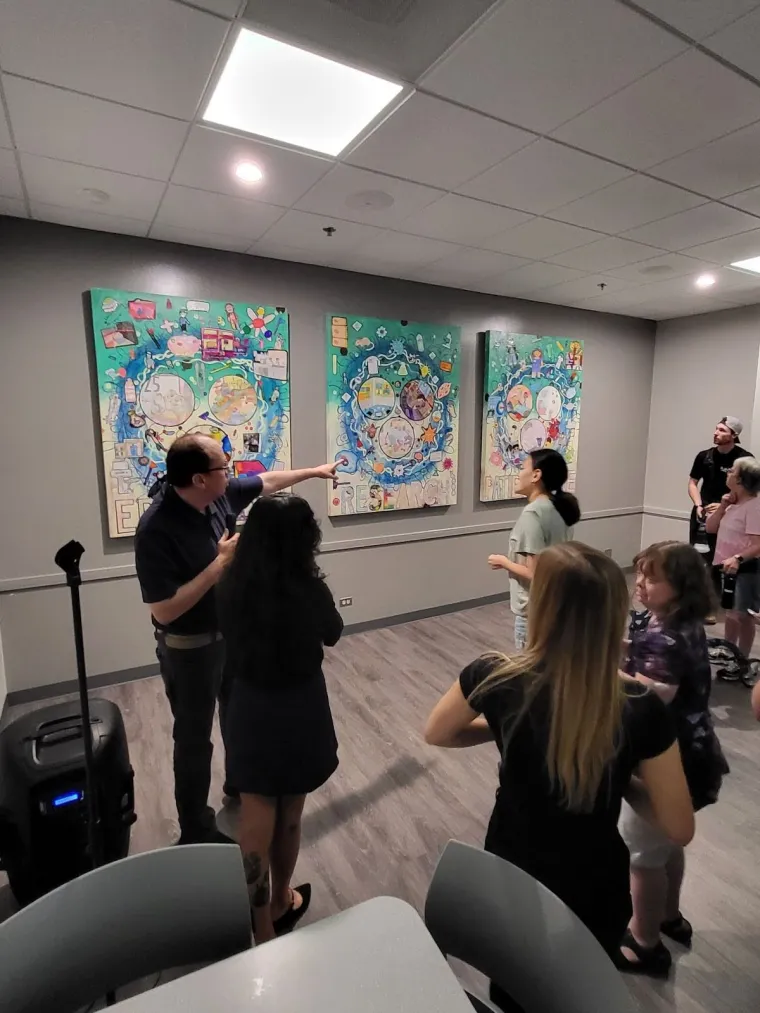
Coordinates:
[392,414]
[532,394]
[194,369]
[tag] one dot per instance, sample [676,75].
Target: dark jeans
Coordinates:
[193,682]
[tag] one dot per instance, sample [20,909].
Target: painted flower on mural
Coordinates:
[397,347]
[381,332]
[259,319]
[448,464]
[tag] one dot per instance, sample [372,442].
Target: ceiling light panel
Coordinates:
[288,94]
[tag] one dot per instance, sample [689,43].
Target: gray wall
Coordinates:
[705,367]
[390,564]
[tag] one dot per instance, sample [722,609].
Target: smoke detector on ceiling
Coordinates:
[95,196]
[369,200]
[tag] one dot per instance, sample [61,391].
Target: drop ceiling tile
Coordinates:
[739,43]
[208,160]
[343,191]
[583,288]
[199,237]
[727,251]
[5,134]
[469,265]
[747,200]
[303,231]
[153,54]
[14,208]
[688,102]
[533,277]
[84,219]
[632,201]
[730,283]
[402,249]
[689,228]
[10,184]
[462,220]
[540,238]
[226,8]
[613,302]
[722,167]
[669,265]
[64,184]
[61,124]
[199,210]
[541,177]
[282,251]
[431,141]
[697,18]
[605,255]
[537,63]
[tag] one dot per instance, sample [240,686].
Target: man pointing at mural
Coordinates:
[182,547]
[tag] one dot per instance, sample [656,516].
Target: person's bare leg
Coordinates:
[258,815]
[674,870]
[648,890]
[746,633]
[286,844]
[732,627]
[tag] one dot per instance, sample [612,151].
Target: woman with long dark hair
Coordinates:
[571,729]
[277,613]
[546,520]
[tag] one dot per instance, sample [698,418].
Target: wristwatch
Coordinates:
[739,559]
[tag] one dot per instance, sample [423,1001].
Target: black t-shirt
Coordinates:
[530,826]
[175,542]
[711,467]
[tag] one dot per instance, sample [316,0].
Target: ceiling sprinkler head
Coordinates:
[329,231]
[602,285]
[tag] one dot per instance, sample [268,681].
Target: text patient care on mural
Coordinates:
[169,365]
[392,414]
[533,391]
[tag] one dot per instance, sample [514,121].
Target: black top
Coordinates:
[711,467]
[287,645]
[534,828]
[175,542]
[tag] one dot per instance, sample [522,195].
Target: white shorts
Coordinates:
[649,847]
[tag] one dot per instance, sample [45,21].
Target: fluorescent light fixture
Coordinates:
[248,172]
[753,264]
[705,281]
[276,90]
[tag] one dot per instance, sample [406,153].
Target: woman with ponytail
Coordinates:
[546,520]
[572,731]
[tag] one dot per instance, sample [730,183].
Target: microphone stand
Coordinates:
[67,558]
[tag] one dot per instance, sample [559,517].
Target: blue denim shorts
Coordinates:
[747,593]
[521,632]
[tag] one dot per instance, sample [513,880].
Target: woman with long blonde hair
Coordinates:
[572,731]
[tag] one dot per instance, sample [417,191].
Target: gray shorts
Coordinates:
[649,847]
[747,593]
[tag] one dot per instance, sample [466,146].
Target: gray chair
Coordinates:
[124,921]
[499,920]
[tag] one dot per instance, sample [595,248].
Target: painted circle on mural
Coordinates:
[416,400]
[519,402]
[532,435]
[548,403]
[376,398]
[232,399]
[167,399]
[396,438]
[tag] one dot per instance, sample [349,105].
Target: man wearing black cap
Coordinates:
[707,480]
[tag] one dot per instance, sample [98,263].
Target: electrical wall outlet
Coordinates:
[345,602]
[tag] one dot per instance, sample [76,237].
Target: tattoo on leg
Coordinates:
[257,879]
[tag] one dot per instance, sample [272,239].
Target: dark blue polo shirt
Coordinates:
[175,542]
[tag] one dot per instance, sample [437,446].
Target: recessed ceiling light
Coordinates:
[248,172]
[95,196]
[753,264]
[705,281]
[275,90]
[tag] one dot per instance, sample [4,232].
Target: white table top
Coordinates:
[377,957]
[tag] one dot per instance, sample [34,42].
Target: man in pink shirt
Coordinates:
[736,522]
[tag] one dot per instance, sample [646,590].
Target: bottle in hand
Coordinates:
[727,592]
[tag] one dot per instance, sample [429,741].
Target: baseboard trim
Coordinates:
[37,694]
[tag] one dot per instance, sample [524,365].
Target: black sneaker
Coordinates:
[212,836]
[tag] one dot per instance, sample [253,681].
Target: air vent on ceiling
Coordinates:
[381,12]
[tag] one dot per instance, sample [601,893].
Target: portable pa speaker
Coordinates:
[43,803]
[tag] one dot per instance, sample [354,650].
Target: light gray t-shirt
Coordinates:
[537,527]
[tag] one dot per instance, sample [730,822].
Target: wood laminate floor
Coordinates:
[381,822]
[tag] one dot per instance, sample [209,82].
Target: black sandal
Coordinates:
[679,929]
[652,960]
[287,922]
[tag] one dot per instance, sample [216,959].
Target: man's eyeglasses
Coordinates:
[221,467]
